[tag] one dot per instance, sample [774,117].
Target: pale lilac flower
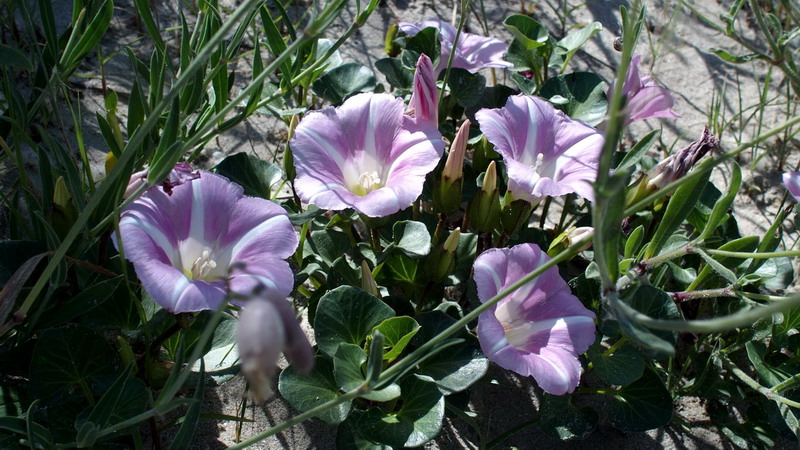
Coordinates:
[369,154]
[541,328]
[644,98]
[547,153]
[187,245]
[268,327]
[473,52]
[792,182]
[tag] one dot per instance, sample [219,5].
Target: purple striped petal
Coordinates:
[644,98]
[366,154]
[473,52]
[792,182]
[185,245]
[547,153]
[541,328]
[424,103]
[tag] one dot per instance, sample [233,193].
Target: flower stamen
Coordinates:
[203,266]
[368,182]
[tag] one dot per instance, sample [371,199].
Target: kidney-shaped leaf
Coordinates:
[397,332]
[347,315]
[307,391]
[642,405]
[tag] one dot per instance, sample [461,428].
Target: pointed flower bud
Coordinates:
[569,237]
[678,164]
[447,194]
[368,282]
[389,45]
[442,260]
[485,206]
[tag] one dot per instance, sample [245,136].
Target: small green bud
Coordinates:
[389,45]
[515,214]
[368,282]
[442,260]
[484,208]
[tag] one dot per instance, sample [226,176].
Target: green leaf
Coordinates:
[90,298]
[679,207]
[343,81]
[466,87]
[255,175]
[561,418]
[735,59]
[403,269]
[585,95]
[635,154]
[328,244]
[307,391]
[530,33]
[565,48]
[427,42]
[397,332]
[412,238]
[723,264]
[622,367]
[634,242]
[642,405]
[72,360]
[720,210]
[349,374]
[125,398]
[417,422]
[10,56]
[457,368]
[610,206]
[394,71]
[655,303]
[347,315]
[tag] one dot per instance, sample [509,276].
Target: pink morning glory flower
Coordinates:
[473,52]
[186,246]
[792,182]
[541,328]
[547,153]
[644,98]
[369,154]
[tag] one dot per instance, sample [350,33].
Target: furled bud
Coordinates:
[447,193]
[64,210]
[368,282]
[389,45]
[442,260]
[484,208]
[568,238]
[288,158]
[267,327]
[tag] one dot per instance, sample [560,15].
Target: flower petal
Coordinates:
[792,182]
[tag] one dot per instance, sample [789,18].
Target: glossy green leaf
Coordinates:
[348,370]
[396,74]
[307,391]
[88,299]
[258,177]
[457,368]
[347,315]
[73,360]
[397,332]
[634,242]
[412,238]
[561,418]
[635,154]
[565,48]
[585,95]
[418,420]
[721,206]
[402,268]
[466,87]
[341,82]
[328,244]
[624,366]
[427,42]
[529,32]
[679,207]
[655,303]
[642,405]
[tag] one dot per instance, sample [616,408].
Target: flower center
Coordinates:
[203,266]
[367,182]
[538,162]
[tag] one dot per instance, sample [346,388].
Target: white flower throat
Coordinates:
[203,267]
[537,163]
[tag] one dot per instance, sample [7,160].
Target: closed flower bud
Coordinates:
[568,238]
[368,281]
[447,194]
[514,214]
[484,208]
[389,45]
[442,260]
[260,338]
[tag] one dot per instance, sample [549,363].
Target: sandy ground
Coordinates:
[675,51]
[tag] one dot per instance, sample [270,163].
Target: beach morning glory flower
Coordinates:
[792,182]
[644,98]
[473,52]
[547,153]
[370,153]
[541,328]
[187,246]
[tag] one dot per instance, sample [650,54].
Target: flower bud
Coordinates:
[484,153]
[368,282]
[389,45]
[568,238]
[260,338]
[288,158]
[447,193]
[484,208]
[442,260]
[64,210]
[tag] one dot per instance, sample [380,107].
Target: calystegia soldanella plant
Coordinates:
[462,224]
